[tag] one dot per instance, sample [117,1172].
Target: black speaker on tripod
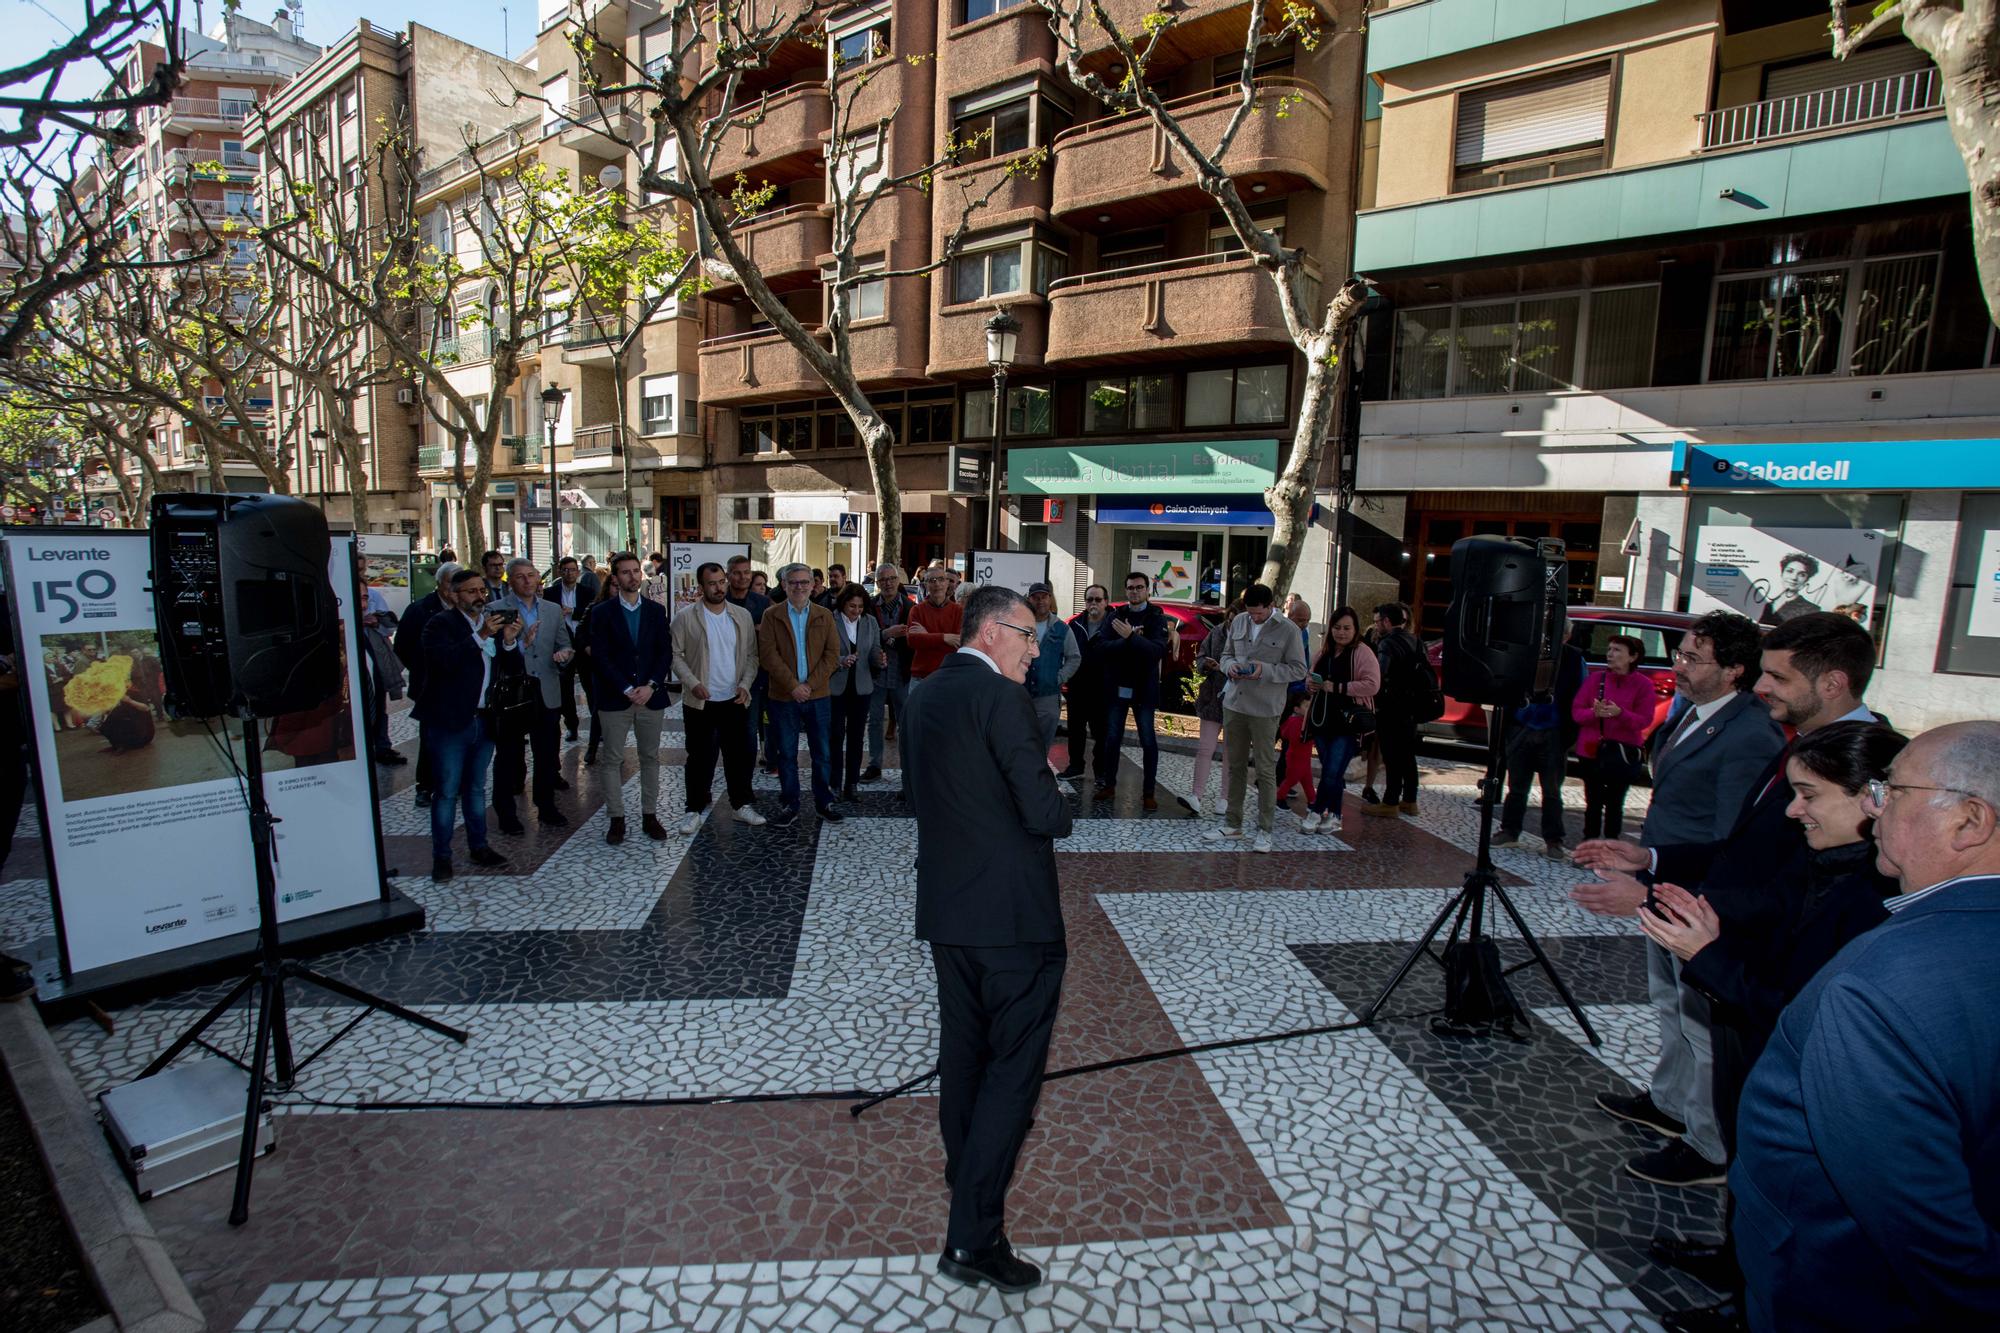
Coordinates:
[248,622]
[1503,631]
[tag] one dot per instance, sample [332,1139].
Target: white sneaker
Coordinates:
[1218,834]
[1329,823]
[1309,822]
[690,824]
[1261,843]
[747,814]
[1194,804]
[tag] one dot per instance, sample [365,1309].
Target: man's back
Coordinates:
[1868,1178]
[988,809]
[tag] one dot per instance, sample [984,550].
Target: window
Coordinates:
[1131,249]
[1778,326]
[987,273]
[1529,344]
[757,435]
[1050,265]
[1222,238]
[1533,129]
[656,405]
[234,103]
[438,229]
[1971,641]
[928,420]
[555,101]
[238,204]
[1029,412]
[656,48]
[1128,402]
[856,164]
[242,253]
[1006,119]
[857,38]
[1892,315]
[349,101]
[979,9]
[865,299]
[1246,395]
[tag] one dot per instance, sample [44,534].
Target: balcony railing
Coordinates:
[1891,98]
[466,348]
[592,331]
[433,456]
[218,210]
[1165,268]
[595,441]
[210,108]
[234,161]
[521,450]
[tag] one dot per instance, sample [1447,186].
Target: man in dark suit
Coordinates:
[1089,697]
[1867,1183]
[1813,670]
[409,647]
[988,813]
[545,650]
[631,659]
[1132,660]
[460,647]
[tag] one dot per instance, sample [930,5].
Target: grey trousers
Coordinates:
[1048,712]
[616,726]
[1684,1079]
[1247,740]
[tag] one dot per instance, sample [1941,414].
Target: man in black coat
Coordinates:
[978,779]
[1089,699]
[631,660]
[1132,658]
[409,646]
[460,651]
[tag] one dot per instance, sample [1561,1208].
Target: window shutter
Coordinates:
[1542,115]
[1812,76]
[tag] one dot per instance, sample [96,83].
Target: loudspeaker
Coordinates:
[248,623]
[1504,627]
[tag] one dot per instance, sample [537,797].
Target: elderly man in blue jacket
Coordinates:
[1867,1179]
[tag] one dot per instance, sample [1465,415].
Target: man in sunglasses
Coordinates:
[1089,703]
[988,811]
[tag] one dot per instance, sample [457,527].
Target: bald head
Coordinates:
[1942,816]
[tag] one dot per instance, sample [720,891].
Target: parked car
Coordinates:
[1659,631]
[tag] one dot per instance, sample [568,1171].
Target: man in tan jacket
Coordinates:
[799,647]
[715,659]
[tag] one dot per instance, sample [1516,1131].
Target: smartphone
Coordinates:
[1317,679]
[507,617]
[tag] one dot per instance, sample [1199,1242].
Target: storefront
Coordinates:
[815,530]
[1901,535]
[1189,513]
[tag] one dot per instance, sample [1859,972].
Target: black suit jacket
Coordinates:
[617,663]
[988,809]
[1754,877]
[1134,662]
[453,666]
[409,640]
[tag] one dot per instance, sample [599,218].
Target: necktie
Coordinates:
[1684,728]
[1784,757]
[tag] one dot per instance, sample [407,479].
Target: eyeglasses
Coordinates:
[1876,791]
[1689,659]
[1096,599]
[1021,630]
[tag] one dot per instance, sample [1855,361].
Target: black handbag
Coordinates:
[1336,714]
[511,691]
[1620,763]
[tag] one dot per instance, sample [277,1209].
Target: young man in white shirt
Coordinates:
[715,660]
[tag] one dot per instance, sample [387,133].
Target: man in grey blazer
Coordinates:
[1703,767]
[545,648]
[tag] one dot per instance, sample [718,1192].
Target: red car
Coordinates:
[1660,631]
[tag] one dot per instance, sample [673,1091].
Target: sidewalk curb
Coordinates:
[140,1285]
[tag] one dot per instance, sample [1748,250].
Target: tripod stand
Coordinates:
[1467,912]
[268,976]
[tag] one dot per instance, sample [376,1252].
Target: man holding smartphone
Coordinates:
[1132,660]
[1261,659]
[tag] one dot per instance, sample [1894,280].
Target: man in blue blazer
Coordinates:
[631,659]
[409,646]
[977,777]
[1867,1180]
[460,651]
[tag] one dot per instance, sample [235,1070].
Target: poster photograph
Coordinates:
[1984,621]
[1175,574]
[1774,574]
[684,558]
[385,567]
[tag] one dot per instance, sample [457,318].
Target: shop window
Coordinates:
[1029,412]
[1245,395]
[1773,556]
[1532,129]
[1531,344]
[1971,641]
[1128,402]
[857,38]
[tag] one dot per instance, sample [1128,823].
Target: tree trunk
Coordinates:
[1291,495]
[878,440]
[1972,106]
[621,441]
[473,505]
[357,483]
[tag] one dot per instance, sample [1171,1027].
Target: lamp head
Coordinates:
[1003,333]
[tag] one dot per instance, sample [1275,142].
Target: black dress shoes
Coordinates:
[552,818]
[486,856]
[510,824]
[653,827]
[831,814]
[560,783]
[997,1266]
[1709,1262]
[1725,1316]
[873,773]
[616,833]
[441,868]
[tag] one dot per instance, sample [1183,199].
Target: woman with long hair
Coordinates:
[1345,679]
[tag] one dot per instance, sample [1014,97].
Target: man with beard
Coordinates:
[715,659]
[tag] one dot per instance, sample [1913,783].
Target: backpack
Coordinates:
[1410,683]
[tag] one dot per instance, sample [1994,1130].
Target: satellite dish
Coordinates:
[611,177]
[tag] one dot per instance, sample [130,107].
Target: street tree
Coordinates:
[1317,325]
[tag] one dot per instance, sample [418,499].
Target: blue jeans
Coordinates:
[886,696]
[815,718]
[1114,740]
[459,760]
[1335,754]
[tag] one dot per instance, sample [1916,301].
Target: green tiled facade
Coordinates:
[1441,27]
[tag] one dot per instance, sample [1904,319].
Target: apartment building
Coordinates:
[192,173]
[1668,282]
[1154,388]
[325,121]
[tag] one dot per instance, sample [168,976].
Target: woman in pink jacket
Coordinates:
[1614,711]
[1342,687]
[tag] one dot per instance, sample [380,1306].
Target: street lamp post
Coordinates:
[1003,332]
[552,402]
[318,437]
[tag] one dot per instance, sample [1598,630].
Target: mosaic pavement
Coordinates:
[579,1165]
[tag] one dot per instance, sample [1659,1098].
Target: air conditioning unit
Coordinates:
[406,395]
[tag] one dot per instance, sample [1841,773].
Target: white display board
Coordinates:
[1772,574]
[385,566]
[1176,575]
[684,558]
[1985,619]
[144,818]
[1019,570]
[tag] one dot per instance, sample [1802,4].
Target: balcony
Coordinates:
[785,246]
[595,442]
[782,142]
[597,125]
[958,334]
[1017,193]
[520,451]
[593,341]
[433,458]
[234,163]
[1015,36]
[1180,306]
[1127,168]
[754,367]
[467,348]
[203,113]
[214,212]
[1896,97]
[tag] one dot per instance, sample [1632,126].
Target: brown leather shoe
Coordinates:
[1382,809]
[617,833]
[1150,803]
[1104,793]
[1408,807]
[654,828]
